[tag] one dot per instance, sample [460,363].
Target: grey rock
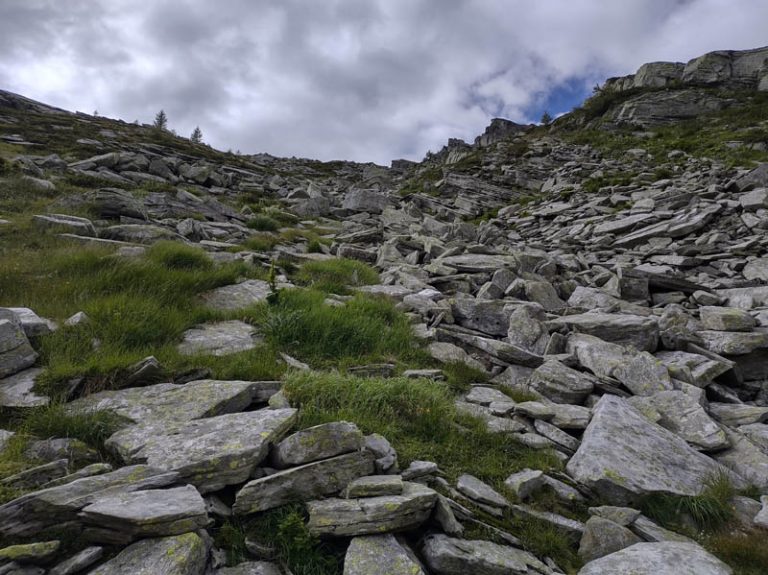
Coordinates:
[756,270]
[561,384]
[623,516]
[386,456]
[178,555]
[137,233]
[484,395]
[62,222]
[318,442]
[372,515]
[111,203]
[488,316]
[219,338]
[527,329]
[745,458]
[449,353]
[124,517]
[30,552]
[237,296]
[726,319]
[419,469]
[761,519]
[449,556]
[733,343]
[623,455]
[524,483]
[16,353]
[374,486]
[78,562]
[755,200]
[303,483]
[369,201]
[602,537]
[735,415]
[36,476]
[637,331]
[32,324]
[204,452]
[480,492]
[669,558]
[380,555]
[17,390]
[251,568]
[691,367]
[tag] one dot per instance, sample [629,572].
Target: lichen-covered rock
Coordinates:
[623,455]
[669,558]
[78,562]
[561,384]
[17,390]
[237,296]
[219,338]
[309,481]
[124,517]
[380,555]
[318,442]
[640,332]
[449,556]
[372,515]
[374,486]
[15,351]
[177,555]
[602,537]
[726,319]
[30,552]
[251,568]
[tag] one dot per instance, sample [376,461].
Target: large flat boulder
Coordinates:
[317,442]
[177,555]
[303,483]
[208,453]
[124,517]
[380,555]
[450,556]
[667,558]
[219,338]
[640,332]
[17,390]
[237,296]
[372,515]
[624,456]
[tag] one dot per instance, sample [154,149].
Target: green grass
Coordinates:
[709,511]
[284,530]
[363,329]
[261,242]
[263,223]
[744,551]
[460,376]
[419,418]
[336,275]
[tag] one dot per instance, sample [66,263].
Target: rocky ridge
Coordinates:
[616,304]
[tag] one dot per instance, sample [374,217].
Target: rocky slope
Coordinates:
[603,281]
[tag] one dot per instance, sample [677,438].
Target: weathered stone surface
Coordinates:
[374,486]
[369,201]
[602,537]
[16,390]
[476,490]
[30,552]
[205,452]
[237,296]
[57,506]
[220,338]
[691,367]
[380,555]
[372,515]
[124,517]
[309,481]
[684,416]
[734,414]
[670,558]
[561,384]
[637,331]
[318,442]
[449,556]
[745,458]
[15,352]
[623,455]
[73,224]
[527,329]
[177,555]
[32,324]
[36,476]
[733,343]
[78,562]
[726,319]
[488,316]
[251,568]
[524,483]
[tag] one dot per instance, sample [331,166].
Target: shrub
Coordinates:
[336,275]
[263,223]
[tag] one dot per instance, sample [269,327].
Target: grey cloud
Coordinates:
[357,79]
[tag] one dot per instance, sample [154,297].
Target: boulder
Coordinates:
[17,390]
[726,319]
[318,442]
[603,537]
[380,555]
[219,338]
[450,556]
[251,568]
[15,351]
[237,296]
[372,515]
[561,384]
[624,456]
[668,558]
[177,555]
[303,483]
[638,331]
[369,201]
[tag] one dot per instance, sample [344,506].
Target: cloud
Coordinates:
[369,80]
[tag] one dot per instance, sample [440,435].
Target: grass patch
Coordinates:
[176,256]
[746,552]
[261,242]
[709,511]
[263,223]
[336,275]
[461,376]
[283,529]
[419,418]
[54,421]
[364,328]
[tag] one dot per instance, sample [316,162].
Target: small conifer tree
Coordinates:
[197,136]
[161,121]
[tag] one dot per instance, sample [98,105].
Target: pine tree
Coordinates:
[197,136]
[546,118]
[161,121]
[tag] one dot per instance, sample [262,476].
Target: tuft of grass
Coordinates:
[337,275]
[263,223]
[54,421]
[460,376]
[744,551]
[261,242]
[364,328]
[419,418]
[283,529]
[176,256]
[314,247]
[710,510]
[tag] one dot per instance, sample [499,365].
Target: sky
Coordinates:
[363,80]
